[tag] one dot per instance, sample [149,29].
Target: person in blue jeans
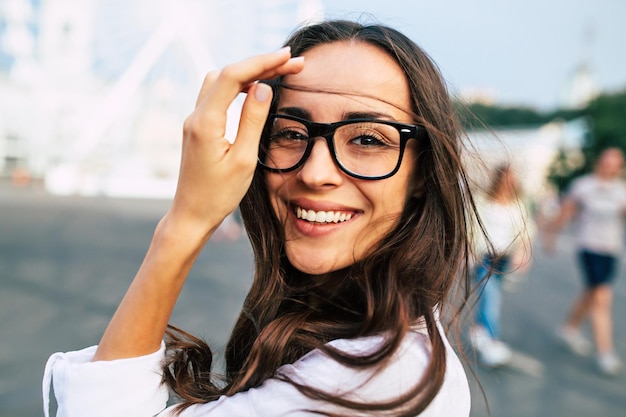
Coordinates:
[489,276]
[508,228]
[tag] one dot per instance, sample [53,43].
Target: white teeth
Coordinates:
[322,216]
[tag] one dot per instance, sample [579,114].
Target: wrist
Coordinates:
[183,232]
[175,245]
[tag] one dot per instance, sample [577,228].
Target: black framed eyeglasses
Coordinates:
[367,149]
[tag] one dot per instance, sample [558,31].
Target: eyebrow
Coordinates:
[304,114]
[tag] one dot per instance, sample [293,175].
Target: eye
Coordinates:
[289,134]
[368,141]
[367,135]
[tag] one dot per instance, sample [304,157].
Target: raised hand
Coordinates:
[215,173]
[214,176]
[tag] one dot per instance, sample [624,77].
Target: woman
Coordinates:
[355,207]
[598,201]
[509,227]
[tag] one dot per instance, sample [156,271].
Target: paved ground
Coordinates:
[66,262]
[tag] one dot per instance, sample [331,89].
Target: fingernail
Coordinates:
[284,49]
[262,92]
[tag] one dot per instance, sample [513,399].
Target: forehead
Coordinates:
[612,156]
[351,72]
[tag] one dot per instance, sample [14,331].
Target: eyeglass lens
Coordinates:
[368,148]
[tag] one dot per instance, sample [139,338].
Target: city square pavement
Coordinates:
[65,262]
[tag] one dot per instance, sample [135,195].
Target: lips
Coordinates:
[331,216]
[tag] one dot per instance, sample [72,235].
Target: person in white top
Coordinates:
[346,168]
[598,202]
[509,228]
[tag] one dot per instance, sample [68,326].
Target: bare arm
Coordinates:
[214,176]
[566,213]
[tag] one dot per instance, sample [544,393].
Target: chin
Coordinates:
[311,264]
[313,269]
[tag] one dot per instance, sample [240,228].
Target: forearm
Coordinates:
[566,213]
[214,176]
[139,323]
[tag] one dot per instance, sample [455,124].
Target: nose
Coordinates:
[320,170]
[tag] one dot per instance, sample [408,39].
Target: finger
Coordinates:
[253,115]
[212,76]
[209,79]
[292,66]
[234,78]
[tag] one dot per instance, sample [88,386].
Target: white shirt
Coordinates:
[601,206]
[132,387]
[508,225]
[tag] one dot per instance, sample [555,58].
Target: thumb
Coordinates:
[253,116]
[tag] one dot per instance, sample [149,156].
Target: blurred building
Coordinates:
[530,150]
[581,87]
[94,93]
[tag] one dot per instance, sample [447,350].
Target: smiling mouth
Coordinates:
[322,216]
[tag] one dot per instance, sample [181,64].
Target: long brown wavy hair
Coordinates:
[408,275]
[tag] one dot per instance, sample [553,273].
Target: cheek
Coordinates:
[387,201]
[275,183]
[390,198]
[405,185]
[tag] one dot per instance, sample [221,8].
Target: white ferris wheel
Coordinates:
[175,43]
[151,57]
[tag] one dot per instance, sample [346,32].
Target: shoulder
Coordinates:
[581,186]
[400,374]
[481,200]
[621,185]
[583,181]
[412,355]
[317,370]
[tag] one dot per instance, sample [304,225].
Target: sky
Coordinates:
[522,51]
[519,52]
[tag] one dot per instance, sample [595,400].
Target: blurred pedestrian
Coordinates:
[508,227]
[598,203]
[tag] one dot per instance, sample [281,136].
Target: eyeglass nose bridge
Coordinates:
[324,130]
[321,131]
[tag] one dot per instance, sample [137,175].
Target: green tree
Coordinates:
[478,115]
[607,114]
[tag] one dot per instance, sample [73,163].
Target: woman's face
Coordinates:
[356,78]
[508,183]
[610,164]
